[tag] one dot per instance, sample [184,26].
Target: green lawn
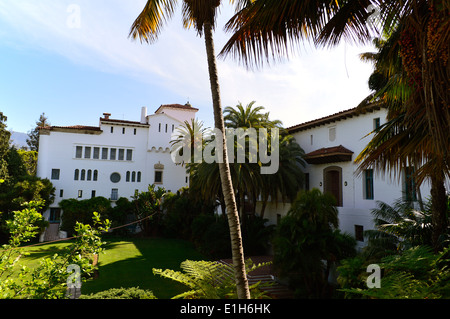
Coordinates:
[129,263]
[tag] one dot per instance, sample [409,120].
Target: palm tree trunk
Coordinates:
[237,249]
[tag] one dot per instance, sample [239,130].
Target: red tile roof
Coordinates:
[187,106]
[329,155]
[356,111]
[73,127]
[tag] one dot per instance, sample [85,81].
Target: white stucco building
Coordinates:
[331,145]
[113,160]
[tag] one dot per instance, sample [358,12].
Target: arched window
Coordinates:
[95,175]
[77,174]
[89,175]
[139,177]
[83,174]
[128,176]
[133,177]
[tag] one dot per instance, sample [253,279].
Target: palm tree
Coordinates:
[266,29]
[202,15]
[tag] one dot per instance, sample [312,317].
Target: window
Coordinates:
[127,178]
[134,132]
[123,130]
[121,154]
[93,194]
[376,123]
[158,177]
[307,181]
[104,153]
[61,193]
[55,215]
[112,129]
[159,128]
[359,233]
[115,177]
[368,184]
[80,193]
[78,152]
[312,139]
[95,175]
[166,128]
[83,174]
[112,154]
[77,174]
[133,177]
[96,152]
[173,128]
[55,174]
[332,134]
[139,177]
[114,194]
[129,155]
[89,175]
[87,152]
[409,186]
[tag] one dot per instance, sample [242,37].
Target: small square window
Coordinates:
[55,173]
[359,233]
[78,152]
[112,154]
[376,123]
[80,193]
[87,152]
[129,155]
[93,194]
[368,184]
[104,153]
[158,177]
[61,193]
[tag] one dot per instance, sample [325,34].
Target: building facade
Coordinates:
[331,145]
[116,159]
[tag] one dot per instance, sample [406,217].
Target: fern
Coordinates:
[208,279]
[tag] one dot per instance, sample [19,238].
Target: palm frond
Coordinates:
[148,25]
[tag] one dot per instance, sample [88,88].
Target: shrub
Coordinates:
[121,293]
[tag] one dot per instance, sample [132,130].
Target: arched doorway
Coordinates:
[332,183]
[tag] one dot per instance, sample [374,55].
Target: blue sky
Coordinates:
[75,70]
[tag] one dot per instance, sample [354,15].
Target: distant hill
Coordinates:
[19,139]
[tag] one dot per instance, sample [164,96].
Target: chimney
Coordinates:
[144,115]
[106,116]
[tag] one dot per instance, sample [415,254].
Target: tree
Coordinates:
[4,145]
[49,279]
[201,14]
[266,29]
[306,236]
[33,135]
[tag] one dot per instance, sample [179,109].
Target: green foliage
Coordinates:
[76,211]
[416,273]
[121,293]
[209,280]
[305,238]
[211,235]
[49,279]
[148,204]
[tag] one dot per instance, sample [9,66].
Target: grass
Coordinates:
[129,263]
